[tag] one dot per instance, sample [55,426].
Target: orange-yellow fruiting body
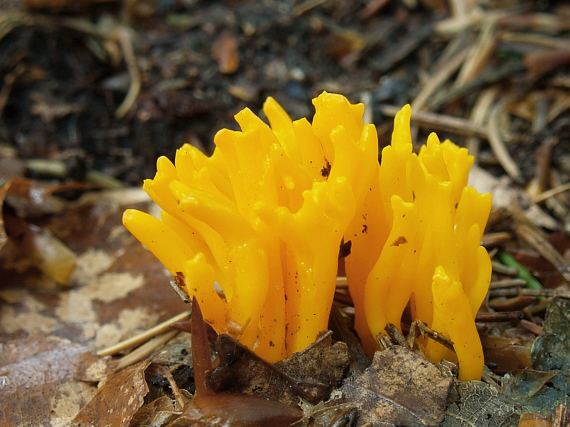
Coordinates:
[433,229]
[264,216]
[263,220]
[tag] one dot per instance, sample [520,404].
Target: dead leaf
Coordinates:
[551,350]
[157,413]
[35,199]
[530,419]
[38,380]
[309,374]
[523,384]
[210,409]
[117,400]
[323,415]
[475,403]
[225,409]
[506,354]
[399,388]
[343,44]
[38,247]
[119,290]
[544,61]
[225,51]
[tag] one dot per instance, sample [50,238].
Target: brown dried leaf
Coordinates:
[38,379]
[210,409]
[310,374]
[531,419]
[118,400]
[400,388]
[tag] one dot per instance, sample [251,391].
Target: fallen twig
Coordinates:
[145,336]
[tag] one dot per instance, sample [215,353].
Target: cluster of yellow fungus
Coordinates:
[416,241]
[254,230]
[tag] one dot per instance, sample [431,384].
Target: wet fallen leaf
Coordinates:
[33,246]
[399,388]
[35,199]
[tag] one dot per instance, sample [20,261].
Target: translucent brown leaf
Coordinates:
[37,247]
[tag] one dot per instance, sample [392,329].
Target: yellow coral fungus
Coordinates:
[263,218]
[430,246]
